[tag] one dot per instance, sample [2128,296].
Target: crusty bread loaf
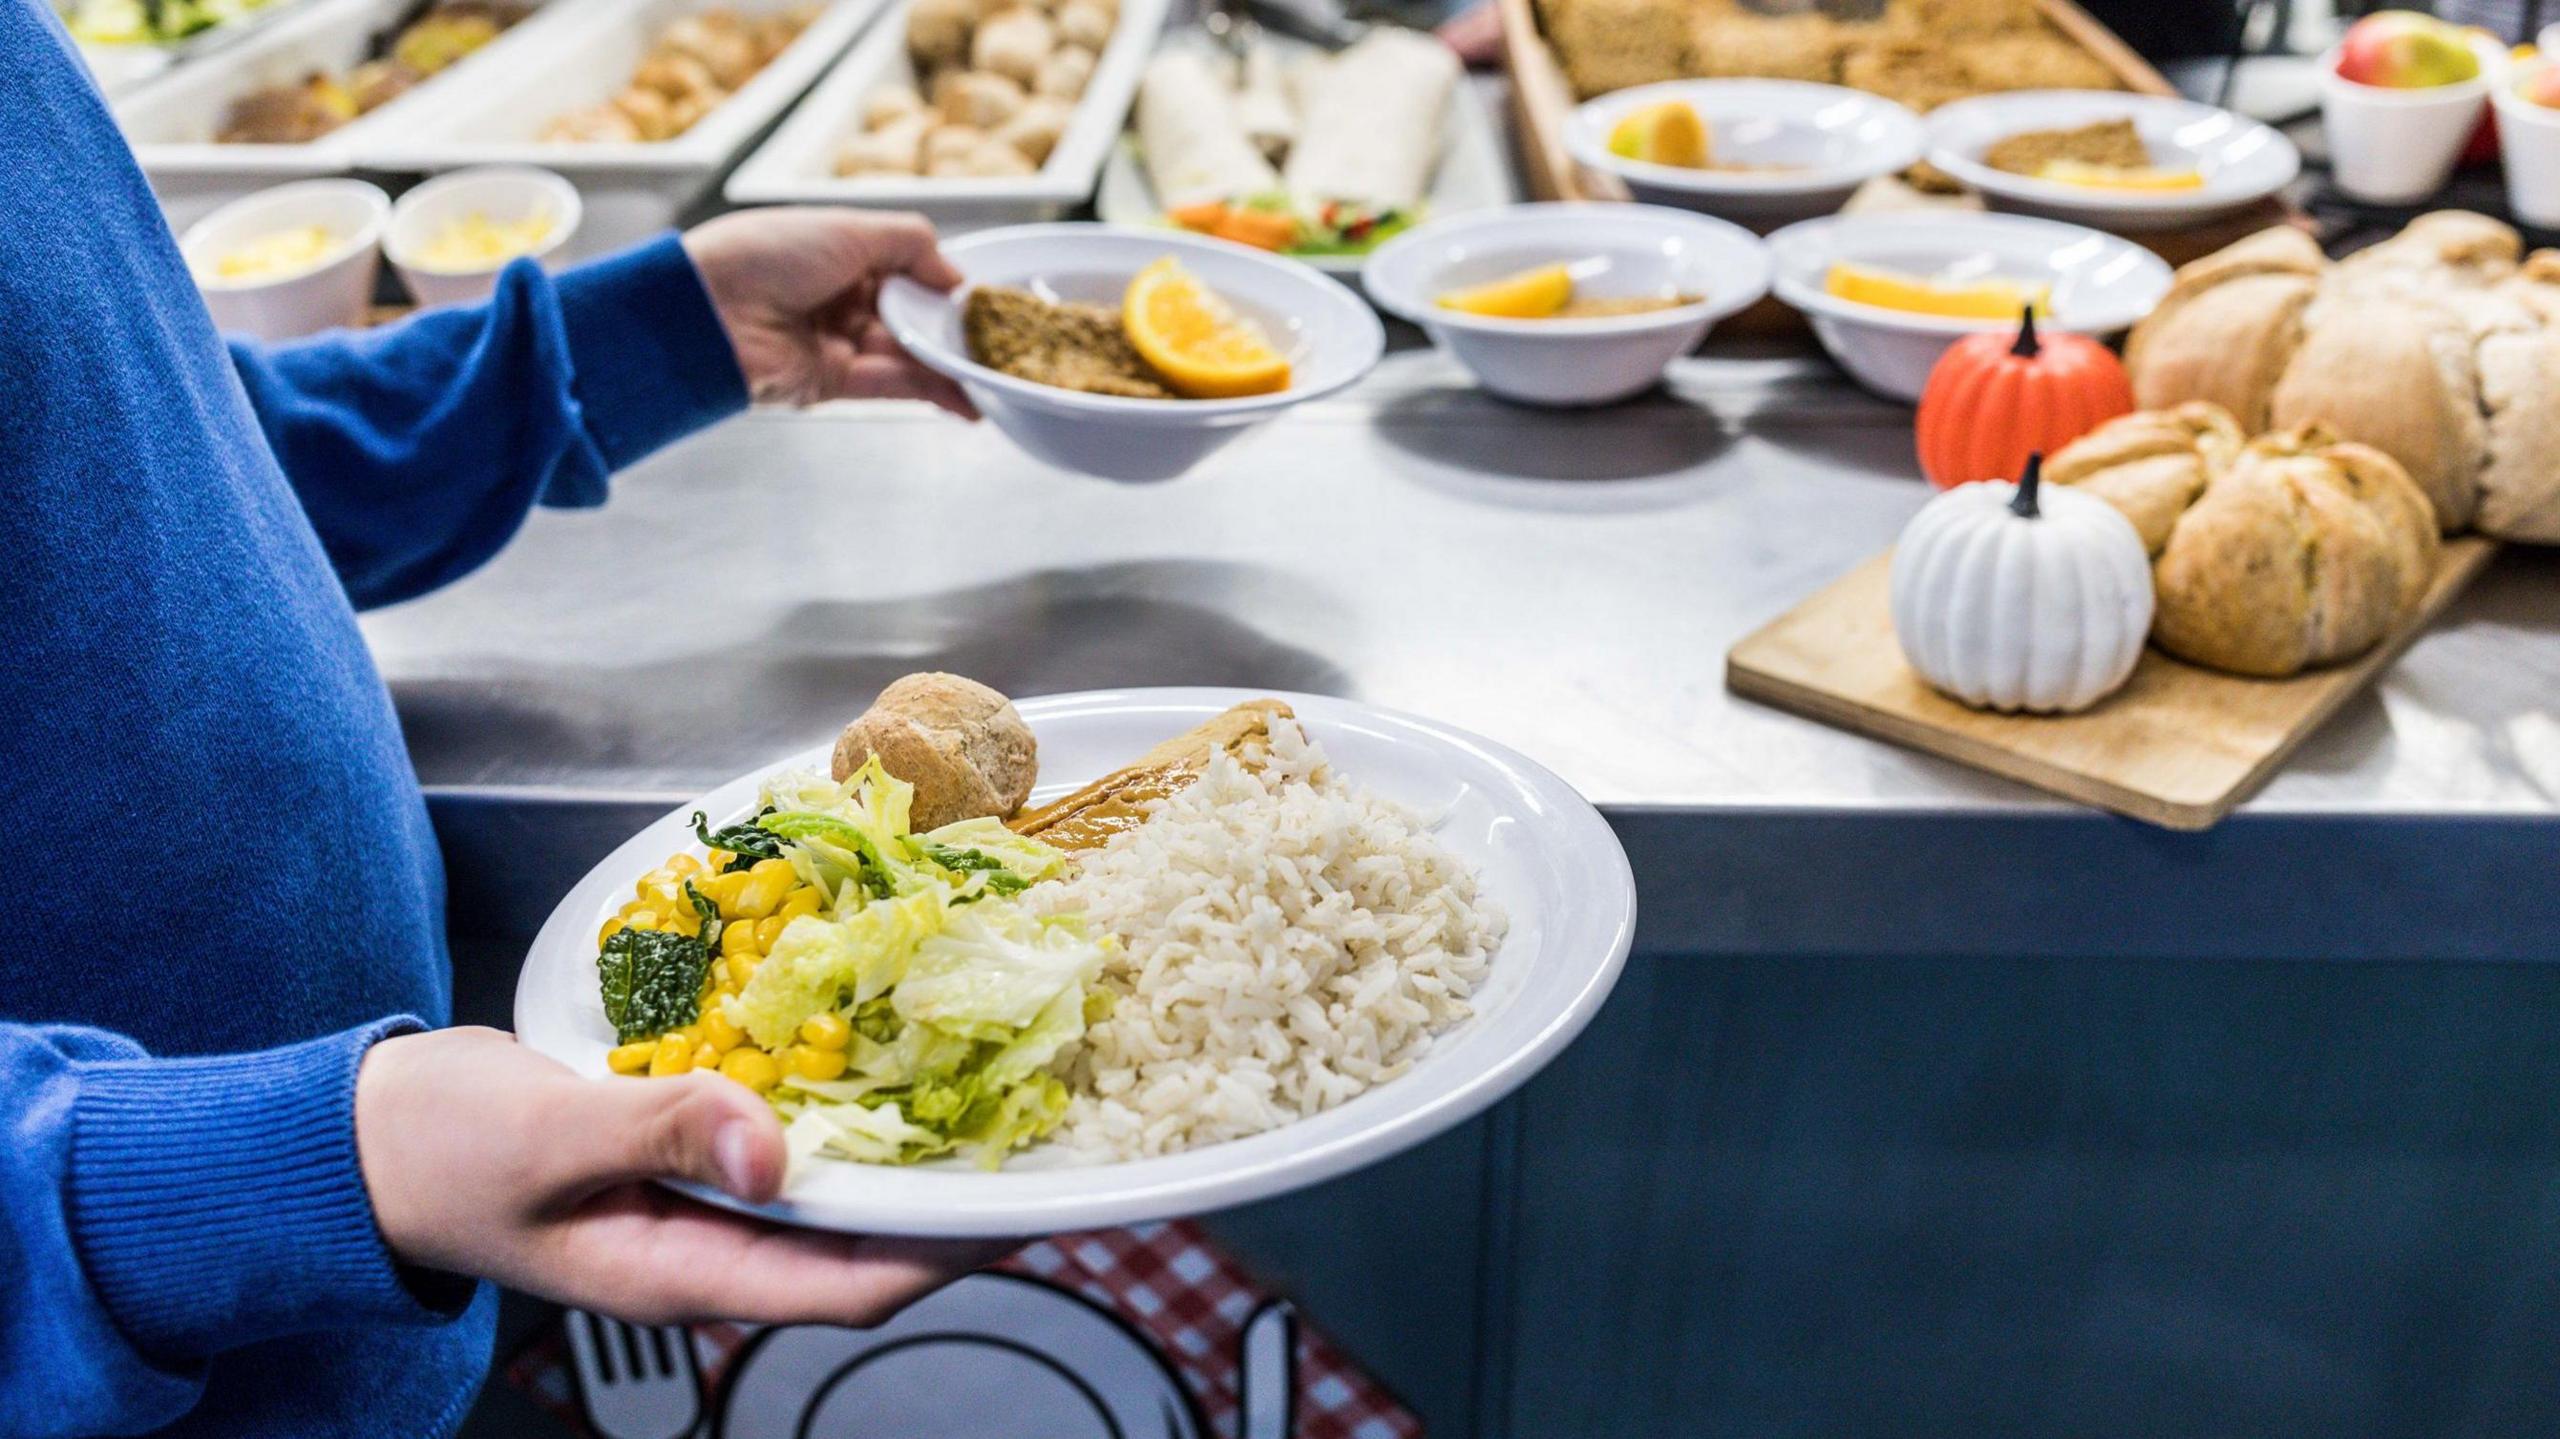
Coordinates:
[2396,375]
[2228,326]
[962,745]
[2294,550]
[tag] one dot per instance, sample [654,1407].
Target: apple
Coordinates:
[2404,50]
[2542,87]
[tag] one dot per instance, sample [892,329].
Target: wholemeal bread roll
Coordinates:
[1013,44]
[962,745]
[2398,375]
[2294,550]
[2228,326]
[2152,464]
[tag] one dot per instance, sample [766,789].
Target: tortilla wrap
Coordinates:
[1369,131]
[1194,147]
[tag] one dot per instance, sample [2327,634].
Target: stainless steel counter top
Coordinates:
[1565,583]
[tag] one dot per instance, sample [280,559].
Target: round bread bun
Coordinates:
[962,745]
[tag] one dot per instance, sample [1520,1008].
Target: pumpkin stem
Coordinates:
[2026,348]
[2024,506]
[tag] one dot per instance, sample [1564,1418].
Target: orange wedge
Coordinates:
[1528,295]
[1987,299]
[1202,347]
[2120,177]
[1666,133]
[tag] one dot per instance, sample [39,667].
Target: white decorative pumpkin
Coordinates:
[2022,597]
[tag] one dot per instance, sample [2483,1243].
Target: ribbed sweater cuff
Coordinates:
[650,361]
[218,1201]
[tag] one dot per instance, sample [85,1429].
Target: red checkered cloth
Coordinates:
[1168,1281]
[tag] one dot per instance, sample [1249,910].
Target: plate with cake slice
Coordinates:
[2109,159]
[1097,958]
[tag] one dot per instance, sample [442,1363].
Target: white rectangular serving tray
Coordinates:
[631,189]
[1473,172]
[170,121]
[798,164]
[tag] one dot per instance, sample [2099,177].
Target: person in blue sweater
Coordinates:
[247,1187]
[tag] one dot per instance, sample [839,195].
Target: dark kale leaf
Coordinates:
[746,843]
[652,981]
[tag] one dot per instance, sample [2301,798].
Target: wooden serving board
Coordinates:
[2178,746]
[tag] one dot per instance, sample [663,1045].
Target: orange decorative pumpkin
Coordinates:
[1992,401]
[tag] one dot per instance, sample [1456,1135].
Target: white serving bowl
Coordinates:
[327,295]
[1616,251]
[2101,284]
[2398,147]
[504,193]
[2528,150]
[1329,335]
[2242,161]
[1833,140]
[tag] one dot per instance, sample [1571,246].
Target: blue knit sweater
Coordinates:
[222,883]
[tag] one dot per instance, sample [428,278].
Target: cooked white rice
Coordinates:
[1290,940]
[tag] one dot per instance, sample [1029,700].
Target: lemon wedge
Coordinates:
[2119,177]
[1529,295]
[1202,347]
[1993,299]
[1666,133]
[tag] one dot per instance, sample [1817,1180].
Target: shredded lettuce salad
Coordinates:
[959,998]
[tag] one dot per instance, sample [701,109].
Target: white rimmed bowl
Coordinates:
[2528,149]
[1329,335]
[2101,284]
[328,294]
[2242,161]
[2392,146]
[1617,251]
[1832,139]
[504,193]
[1540,851]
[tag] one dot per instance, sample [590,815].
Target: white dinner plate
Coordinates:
[1540,849]
[1472,172]
[2242,161]
[1819,143]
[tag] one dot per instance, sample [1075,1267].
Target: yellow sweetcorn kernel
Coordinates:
[738,937]
[611,926]
[641,919]
[718,1032]
[630,1058]
[753,1068]
[672,1056]
[767,931]
[826,1031]
[721,979]
[742,967]
[705,1057]
[655,883]
[718,861]
[723,890]
[684,866]
[810,1062]
[804,900]
[766,884]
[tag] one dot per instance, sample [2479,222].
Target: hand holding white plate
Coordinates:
[1538,849]
[1330,338]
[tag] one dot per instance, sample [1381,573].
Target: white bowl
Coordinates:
[1833,139]
[1330,337]
[329,294]
[505,193]
[2101,284]
[2398,147]
[1632,250]
[2242,161]
[2528,150]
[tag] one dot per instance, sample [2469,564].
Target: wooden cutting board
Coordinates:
[2178,746]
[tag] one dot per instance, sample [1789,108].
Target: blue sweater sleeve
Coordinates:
[418,448]
[161,1210]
